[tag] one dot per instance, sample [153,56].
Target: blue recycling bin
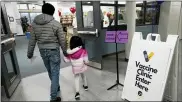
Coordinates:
[27,35]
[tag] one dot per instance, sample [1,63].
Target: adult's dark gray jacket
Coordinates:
[47,33]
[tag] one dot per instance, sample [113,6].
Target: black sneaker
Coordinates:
[58,99]
[53,100]
[77,96]
[85,87]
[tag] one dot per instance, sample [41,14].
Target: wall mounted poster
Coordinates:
[147,71]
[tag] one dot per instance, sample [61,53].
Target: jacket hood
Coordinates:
[76,53]
[43,19]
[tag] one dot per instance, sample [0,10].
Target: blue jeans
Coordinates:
[51,59]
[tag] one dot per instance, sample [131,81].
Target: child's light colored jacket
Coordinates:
[78,58]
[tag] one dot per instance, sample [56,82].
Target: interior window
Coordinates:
[139,15]
[33,7]
[150,16]
[103,2]
[22,6]
[121,2]
[121,15]
[88,21]
[108,12]
[33,15]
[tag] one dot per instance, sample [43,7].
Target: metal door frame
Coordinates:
[9,87]
[91,42]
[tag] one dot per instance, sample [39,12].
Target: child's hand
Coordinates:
[66,59]
[65,53]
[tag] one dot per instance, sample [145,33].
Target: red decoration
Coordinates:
[59,12]
[108,14]
[73,10]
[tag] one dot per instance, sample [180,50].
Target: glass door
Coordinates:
[89,21]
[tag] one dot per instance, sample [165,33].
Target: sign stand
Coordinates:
[148,68]
[116,37]
[117,68]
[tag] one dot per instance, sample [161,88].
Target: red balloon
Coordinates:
[73,10]
[59,12]
[108,14]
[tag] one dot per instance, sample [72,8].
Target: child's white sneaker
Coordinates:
[85,87]
[77,96]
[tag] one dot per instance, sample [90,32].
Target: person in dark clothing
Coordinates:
[110,27]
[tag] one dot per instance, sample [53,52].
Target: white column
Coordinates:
[164,19]
[131,17]
[169,19]
[56,15]
[180,25]
[169,24]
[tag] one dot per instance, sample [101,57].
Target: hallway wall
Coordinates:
[169,19]
[97,47]
[147,29]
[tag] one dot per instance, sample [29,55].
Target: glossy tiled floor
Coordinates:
[35,84]
[36,87]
